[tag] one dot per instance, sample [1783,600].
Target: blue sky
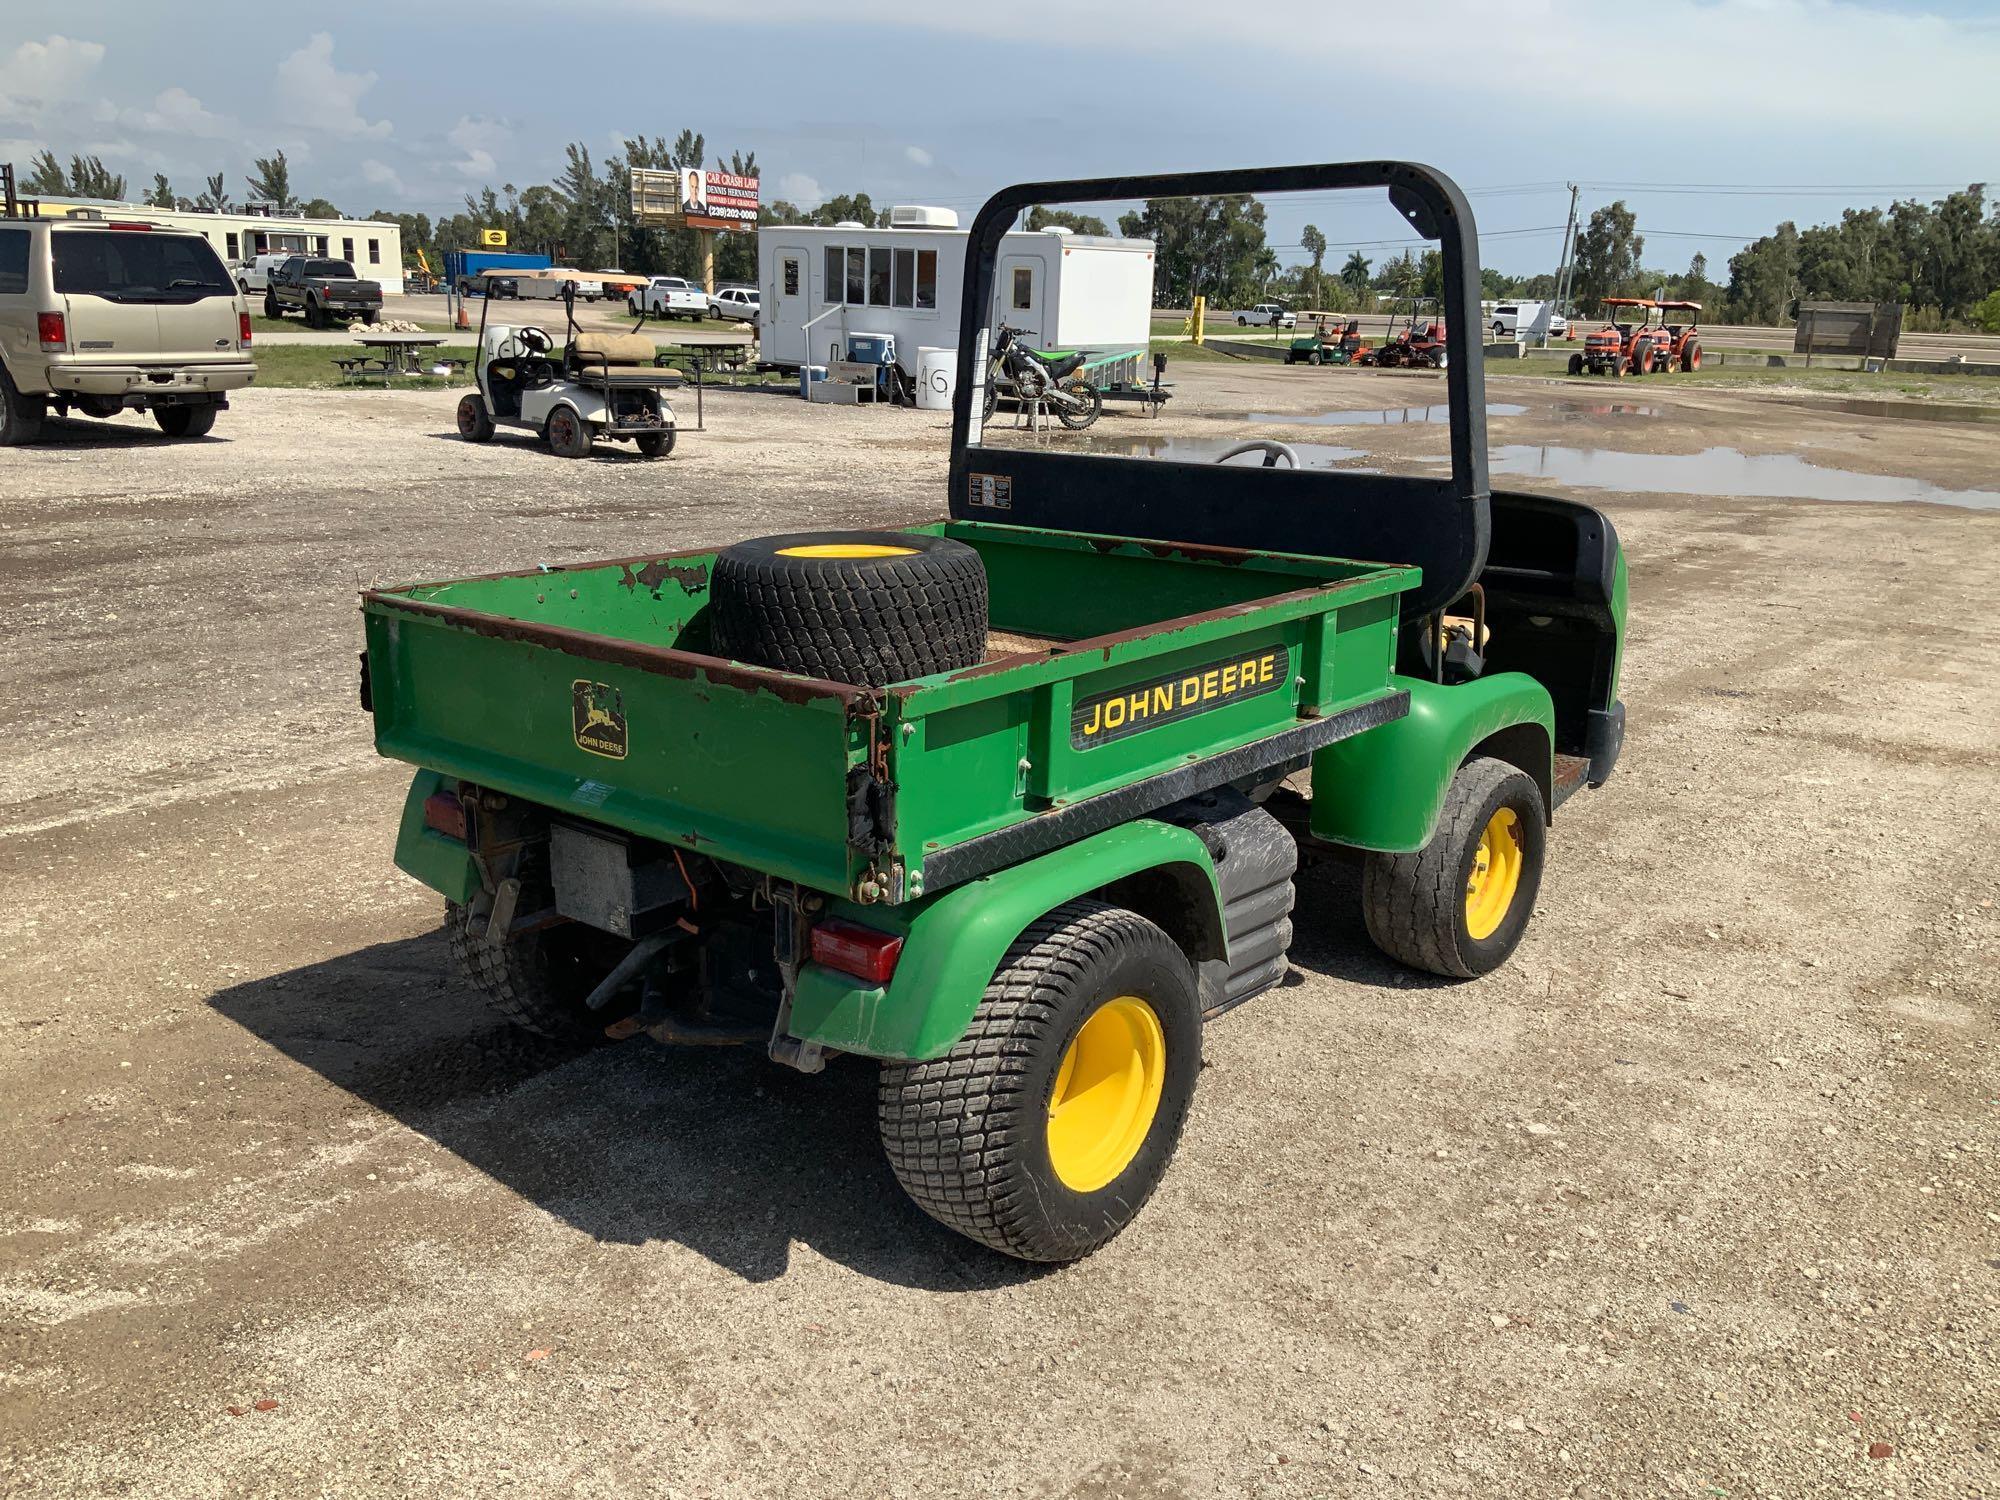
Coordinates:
[1765,109]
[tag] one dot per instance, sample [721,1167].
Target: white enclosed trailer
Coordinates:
[1066,291]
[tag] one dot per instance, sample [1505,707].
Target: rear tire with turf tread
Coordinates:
[567,433]
[967,1134]
[655,444]
[855,619]
[534,982]
[1415,904]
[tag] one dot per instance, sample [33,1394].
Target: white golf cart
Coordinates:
[601,385]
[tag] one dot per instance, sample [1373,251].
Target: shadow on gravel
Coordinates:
[1329,937]
[718,1150]
[101,432]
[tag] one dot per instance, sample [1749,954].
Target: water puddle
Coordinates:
[1207,450]
[1723,471]
[1906,411]
[1570,410]
[1394,416]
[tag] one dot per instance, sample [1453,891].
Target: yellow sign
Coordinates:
[1103,717]
[1197,318]
[493,238]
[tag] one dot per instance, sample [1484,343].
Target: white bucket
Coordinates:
[937,372]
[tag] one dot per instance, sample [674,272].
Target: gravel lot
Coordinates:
[1697,1196]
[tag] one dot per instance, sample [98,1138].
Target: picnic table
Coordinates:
[394,354]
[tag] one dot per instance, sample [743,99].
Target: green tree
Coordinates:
[161,194]
[1058,218]
[214,199]
[1764,278]
[1207,247]
[1607,254]
[319,208]
[1354,271]
[1314,244]
[272,183]
[1986,312]
[87,177]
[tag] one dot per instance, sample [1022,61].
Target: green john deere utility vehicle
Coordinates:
[997,801]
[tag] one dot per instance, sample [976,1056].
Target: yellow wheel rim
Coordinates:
[847,549]
[1106,1093]
[1496,874]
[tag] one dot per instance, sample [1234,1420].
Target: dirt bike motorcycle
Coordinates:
[1027,375]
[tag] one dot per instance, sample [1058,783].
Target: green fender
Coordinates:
[443,864]
[1384,789]
[953,942]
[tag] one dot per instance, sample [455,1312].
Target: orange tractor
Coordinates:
[1641,344]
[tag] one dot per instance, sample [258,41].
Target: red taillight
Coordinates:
[50,330]
[857,950]
[243,329]
[141,228]
[445,813]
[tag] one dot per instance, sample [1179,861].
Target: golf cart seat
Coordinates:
[608,359]
[614,348]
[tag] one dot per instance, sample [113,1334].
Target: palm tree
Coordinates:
[1355,271]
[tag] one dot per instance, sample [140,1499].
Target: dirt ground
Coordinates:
[1697,1196]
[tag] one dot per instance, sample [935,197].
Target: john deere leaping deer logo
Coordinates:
[597,713]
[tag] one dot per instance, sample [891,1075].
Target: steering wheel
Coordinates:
[1272,453]
[534,340]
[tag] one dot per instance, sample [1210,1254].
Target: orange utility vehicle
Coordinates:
[1643,343]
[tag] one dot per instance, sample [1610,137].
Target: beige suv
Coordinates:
[100,318]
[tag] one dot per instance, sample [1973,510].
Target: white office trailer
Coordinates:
[1066,291]
[374,249]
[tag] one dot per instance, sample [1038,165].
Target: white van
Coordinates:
[255,275]
[1511,318]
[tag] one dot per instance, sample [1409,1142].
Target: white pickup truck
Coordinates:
[1267,315]
[669,297]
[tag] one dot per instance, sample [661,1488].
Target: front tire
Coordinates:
[1043,1132]
[185,421]
[1459,905]
[474,423]
[567,433]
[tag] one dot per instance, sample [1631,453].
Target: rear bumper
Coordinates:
[163,383]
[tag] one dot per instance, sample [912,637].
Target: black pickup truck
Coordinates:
[326,291]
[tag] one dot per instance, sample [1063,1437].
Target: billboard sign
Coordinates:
[694,198]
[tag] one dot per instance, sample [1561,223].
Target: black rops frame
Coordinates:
[1443,525]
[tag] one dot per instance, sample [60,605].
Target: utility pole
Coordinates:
[1563,267]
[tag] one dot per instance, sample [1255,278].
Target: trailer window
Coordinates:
[904,291]
[878,276]
[1024,288]
[233,246]
[791,277]
[836,258]
[347,249]
[13,260]
[374,253]
[927,278]
[857,275]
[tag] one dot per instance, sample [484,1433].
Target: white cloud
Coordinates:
[478,139]
[39,75]
[381,174]
[312,93]
[918,155]
[177,112]
[1845,47]
[797,188]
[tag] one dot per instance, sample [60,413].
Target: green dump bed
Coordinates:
[1120,677]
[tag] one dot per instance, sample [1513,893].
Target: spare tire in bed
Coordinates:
[866,607]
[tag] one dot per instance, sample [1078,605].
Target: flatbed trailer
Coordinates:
[1023,883]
